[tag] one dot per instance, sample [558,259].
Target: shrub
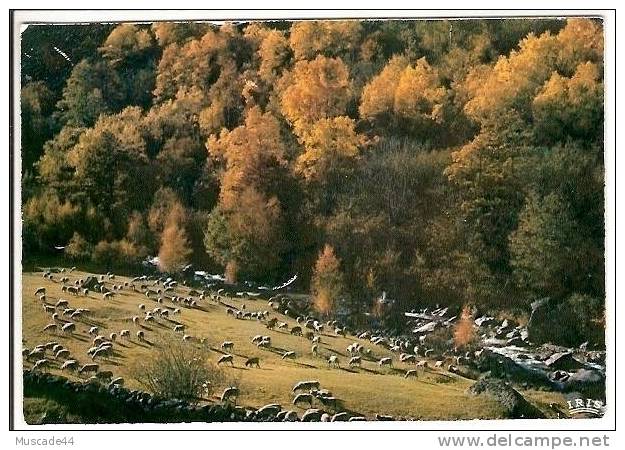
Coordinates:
[78,248]
[178,370]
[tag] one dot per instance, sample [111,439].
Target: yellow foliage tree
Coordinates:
[331,37]
[419,94]
[248,151]
[332,144]
[572,106]
[319,89]
[410,92]
[378,96]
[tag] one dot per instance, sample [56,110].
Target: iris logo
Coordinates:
[586,406]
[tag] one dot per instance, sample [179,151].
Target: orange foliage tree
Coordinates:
[327,281]
[464,331]
[175,251]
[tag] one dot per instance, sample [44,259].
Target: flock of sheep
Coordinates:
[164,299]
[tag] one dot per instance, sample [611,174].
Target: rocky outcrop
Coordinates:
[514,404]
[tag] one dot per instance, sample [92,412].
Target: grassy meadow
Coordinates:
[434,394]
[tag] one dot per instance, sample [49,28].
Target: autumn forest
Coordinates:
[443,162]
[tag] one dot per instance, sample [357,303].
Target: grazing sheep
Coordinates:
[407,358]
[268,411]
[411,373]
[254,361]
[355,361]
[315,349]
[423,364]
[230,392]
[93,330]
[102,351]
[49,309]
[141,335]
[55,317]
[69,328]
[187,337]
[113,336]
[40,291]
[311,415]
[88,368]
[339,331]
[226,359]
[452,369]
[117,381]
[70,364]
[317,340]
[256,339]
[264,343]
[124,333]
[56,348]
[340,417]
[37,352]
[333,361]
[303,398]
[306,385]
[439,363]
[227,345]
[40,364]
[142,306]
[329,401]
[62,303]
[49,327]
[384,418]
[63,353]
[288,355]
[179,328]
[386,362]
[296,331]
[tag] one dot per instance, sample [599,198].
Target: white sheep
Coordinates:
[227,345]
[333,361]
[355,361]
[385,362]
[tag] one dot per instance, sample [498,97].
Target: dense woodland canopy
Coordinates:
[443,162]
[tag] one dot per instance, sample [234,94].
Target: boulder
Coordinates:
[514,404]
[484,321]
[564,361]
[590,382]
[516,341]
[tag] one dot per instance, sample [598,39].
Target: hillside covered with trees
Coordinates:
[452,162]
